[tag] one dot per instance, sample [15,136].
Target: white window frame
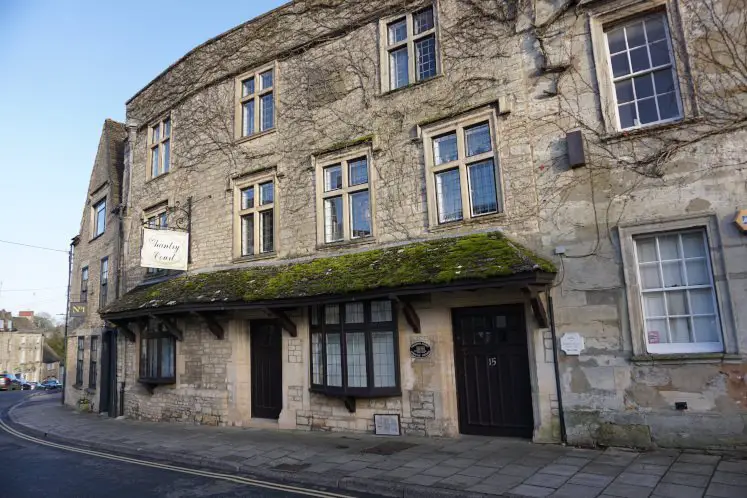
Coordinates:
[160,144]
[343,159]
[385,48]
[636,322]
[95,219]
[156,217]
[462,162]
[241,99]
[255,211]
[672,67]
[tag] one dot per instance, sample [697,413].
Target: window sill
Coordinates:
[154,178]
[621,136]
[255,257]
[480,220]
[97,237]
[388,93]
[331,246]
[241,140]
[685,358]
[151,384]
[78,386]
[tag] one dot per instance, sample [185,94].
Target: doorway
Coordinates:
[494,394]
[267,368]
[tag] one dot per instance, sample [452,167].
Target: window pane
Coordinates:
[166,155]
[100,218]
[635,34]
[679,329]
[334,360]
[248,118]
[657,331]
[266,231]
[360,214]
[167,128]
[650,278]
[693,244]
[697,272]
[332,178]
[314,314]
[381,311]
[653,304]
[647,111]
[702,301]
[620,65]
[624,91]
[655,29]
[646,250]
[356,359]
[265,80]
[247,198]
[397,31]
[332,314]
[383,359]
[333,219]
[266,193]
[247,87]
[398,61]
[616,40]
[167,357]
[628,115]
[358,171]
[422,20]
[644,87]
[154,161]
[316,359]
[668,106]
[706,329]
[659,53]
[163,219]
[677,303]
[247,235]
[482,188]
[477,139]
[425,58]
[354,313]
[445,149]
[156,134]
[639,59]
[267,112]
[448,196]
[669,247]
[672,274]
[664,81]
[153,358]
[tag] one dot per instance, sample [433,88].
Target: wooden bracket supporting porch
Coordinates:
[284,321]
[170,326]
[538,307]
[212,324]
[124,327]
[413,320]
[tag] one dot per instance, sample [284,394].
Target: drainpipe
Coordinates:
[558,390]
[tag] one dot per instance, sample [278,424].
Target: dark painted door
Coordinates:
[107,384]
[267,368]
[492,367]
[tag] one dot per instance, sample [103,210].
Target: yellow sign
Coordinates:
[78,309]
[741,220]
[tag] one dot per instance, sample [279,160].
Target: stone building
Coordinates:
[500,218]
[91,346]
[23,350]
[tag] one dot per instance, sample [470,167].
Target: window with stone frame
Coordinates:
[677,292]
[344,198]
[104,282]
[157,219]
[255,102]
[159,146]
[409,48]
[99,217]
[354,349]
[79,361]
[93,362]
[463,176]
[84,284]
[255,222]
[157,355]
[642,69]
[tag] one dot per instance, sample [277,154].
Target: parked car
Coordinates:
[8,382]
[48,385]
[25,385]
[34,385]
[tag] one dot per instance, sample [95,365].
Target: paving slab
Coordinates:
[546,480]
[694,468]
[669,490]
[528,490]
[686,479]
[628,490]
[733,478]
[591,480]
[637,479]
[725,491]
[570,490]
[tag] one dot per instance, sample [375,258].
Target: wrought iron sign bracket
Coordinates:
[284,320]
[410,314]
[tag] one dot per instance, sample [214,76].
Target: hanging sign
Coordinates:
[166,249]
[78,309]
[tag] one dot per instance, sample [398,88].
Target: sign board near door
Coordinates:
[166,249]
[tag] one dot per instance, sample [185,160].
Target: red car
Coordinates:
[8,382]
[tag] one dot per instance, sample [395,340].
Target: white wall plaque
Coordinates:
[572,343]
[164,249]
[386,424]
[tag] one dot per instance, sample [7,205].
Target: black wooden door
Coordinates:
[492,367]
[267,369]
[105,379]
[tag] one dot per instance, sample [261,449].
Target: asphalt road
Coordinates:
[29,470]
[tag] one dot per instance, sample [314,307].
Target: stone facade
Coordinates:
[89,250]
[536,74]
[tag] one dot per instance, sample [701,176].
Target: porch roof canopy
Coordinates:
[474,261]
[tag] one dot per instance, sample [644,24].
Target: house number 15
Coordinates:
[492,361]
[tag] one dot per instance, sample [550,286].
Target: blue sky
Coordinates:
[66,66]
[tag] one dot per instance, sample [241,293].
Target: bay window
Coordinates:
[157,356]
[354,350]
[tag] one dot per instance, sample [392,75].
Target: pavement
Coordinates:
[468,466]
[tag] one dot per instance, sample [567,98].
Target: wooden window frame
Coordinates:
[239,213]
[156,215]
[430,133]
[240,99]
[385,48]
[93,362]
[84,277]
[80,353]
[160,144]
[158,333]
[95,218]
[368,327]
[344,159]
[103,282]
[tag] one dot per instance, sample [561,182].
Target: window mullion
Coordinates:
[463,177]
[343,348]
[255,222]
[683,269]
[664,293]
[368,338]
[411,78]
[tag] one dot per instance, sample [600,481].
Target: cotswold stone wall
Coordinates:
[539,62]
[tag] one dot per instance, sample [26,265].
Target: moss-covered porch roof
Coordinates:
[478,259]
